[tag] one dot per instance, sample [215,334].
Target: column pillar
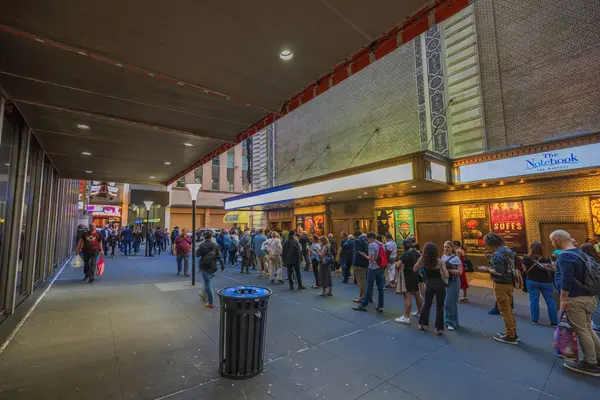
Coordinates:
[237,169]
[223,184]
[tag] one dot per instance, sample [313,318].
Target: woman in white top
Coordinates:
[275,249]
[455,269]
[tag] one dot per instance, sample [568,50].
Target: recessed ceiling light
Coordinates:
[365,193]
[152,177]
[86,153]
[7,165]
[286,55]
[167,162]
[522,181]
[88,172]
[83,127]
[360,197]
[188,145]
[414,186]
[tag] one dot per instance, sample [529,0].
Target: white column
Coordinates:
[238,170]
[207,176]
[223,185]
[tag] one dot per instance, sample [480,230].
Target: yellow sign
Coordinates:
[236,217]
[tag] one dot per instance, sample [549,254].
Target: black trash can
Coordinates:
[242,331]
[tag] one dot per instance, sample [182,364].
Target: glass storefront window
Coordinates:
[230,169]
[180,182]
[244,164]
[6,143]
[215,174]
[198,175]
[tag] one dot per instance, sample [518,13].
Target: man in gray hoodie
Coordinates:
[502,271]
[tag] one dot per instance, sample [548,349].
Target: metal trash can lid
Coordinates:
[244,292]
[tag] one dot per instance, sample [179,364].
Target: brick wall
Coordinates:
[571,209]
[541,63]
[383,96]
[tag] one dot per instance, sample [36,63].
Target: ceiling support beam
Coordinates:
[127,67]
[120,120]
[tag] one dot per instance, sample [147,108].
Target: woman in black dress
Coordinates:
[327,260]
[435,273]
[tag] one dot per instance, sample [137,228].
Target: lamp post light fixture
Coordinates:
[148,204]
[194,188]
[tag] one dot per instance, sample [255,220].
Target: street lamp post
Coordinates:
[148,204]
[193,188]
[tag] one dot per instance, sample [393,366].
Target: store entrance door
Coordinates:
[363,225]
[338,226]
[579,231]
[435,232]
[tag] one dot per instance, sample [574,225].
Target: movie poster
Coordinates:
[385,222]
[474,225]
[405,224]
[595,204]
[319,224]
[309,225]
[300,224]
[508,221]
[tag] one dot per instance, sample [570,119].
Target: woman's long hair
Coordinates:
[430,255]
[536,250]
[324,241]
[590,250]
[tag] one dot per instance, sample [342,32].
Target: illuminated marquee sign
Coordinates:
[532,164]
[105,211]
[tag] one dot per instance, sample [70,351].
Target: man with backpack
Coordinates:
[577,279]
[375,273]
[209,254]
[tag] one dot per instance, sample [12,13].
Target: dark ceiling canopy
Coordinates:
[147,79]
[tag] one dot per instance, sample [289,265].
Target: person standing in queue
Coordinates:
[209,253]
[578,300]
[436,273]
[327,264]
[361,264]
[348,251]
[291,258]
[150,242]
[91,246]
[261,255]
[455,269]
[375,274]
[407,282]
[182,248]
[305,243]
[502,271]
[315,258]
[538,270]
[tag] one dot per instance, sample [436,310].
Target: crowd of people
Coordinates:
[428,275]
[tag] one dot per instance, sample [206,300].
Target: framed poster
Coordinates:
[309,225]
[508,221]
[595,204]
[319,221]
[385,222]
[300,224]
[474,225]
[405,224]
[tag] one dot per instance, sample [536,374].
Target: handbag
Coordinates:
[100,267]
[77,262]
[565,339]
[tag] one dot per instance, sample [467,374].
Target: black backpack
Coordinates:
[591,275]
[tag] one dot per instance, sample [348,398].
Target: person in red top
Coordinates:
[182,248]
[90,244]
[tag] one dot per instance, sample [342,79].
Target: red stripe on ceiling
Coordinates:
[360,62]
[308,94]
[322,86]
[414,29]
[339,75]
[386,47]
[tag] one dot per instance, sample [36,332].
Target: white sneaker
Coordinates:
[403,320]
[416,314]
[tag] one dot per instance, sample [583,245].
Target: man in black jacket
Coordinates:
[209,254]
[291,255]
[304,242]
[360,263]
